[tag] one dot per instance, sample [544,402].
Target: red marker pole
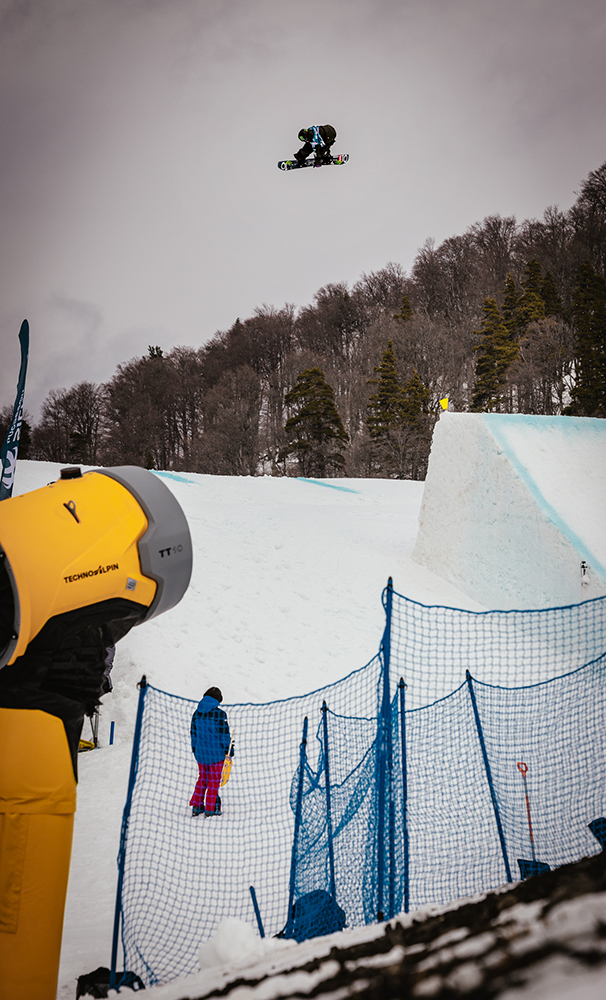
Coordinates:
[523,769]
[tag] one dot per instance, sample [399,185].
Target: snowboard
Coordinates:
[311,162]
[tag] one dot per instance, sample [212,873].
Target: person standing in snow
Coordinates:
[317,139]
[210,744]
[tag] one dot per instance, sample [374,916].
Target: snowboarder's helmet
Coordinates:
[305,134]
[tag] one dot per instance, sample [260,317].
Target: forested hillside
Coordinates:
[509,316]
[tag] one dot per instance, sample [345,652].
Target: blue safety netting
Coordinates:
[396,787]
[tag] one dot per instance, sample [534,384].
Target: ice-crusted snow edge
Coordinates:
[536,940]
[274,957]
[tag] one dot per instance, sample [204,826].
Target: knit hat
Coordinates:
[214,693]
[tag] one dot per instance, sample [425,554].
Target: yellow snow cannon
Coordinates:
[82,561]
[108,535]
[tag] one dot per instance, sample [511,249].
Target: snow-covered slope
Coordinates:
[513,505]
[285,597]
[286,587]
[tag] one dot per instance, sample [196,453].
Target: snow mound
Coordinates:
[514,508]
[236,944]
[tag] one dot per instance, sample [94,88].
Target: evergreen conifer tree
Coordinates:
[416,397]
[385,407]
[418,423]
[397,420]
[316,432]
[589,311]
[531,305]
[406,312]
[510,302]
[533,277]
[496,352]
[551,299]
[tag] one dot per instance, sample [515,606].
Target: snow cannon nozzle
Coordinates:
[112,544]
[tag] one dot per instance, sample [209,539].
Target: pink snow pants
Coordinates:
[207,786]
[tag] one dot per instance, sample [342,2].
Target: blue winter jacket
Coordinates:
[209,732]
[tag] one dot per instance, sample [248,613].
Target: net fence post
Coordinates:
[295,839]
[392,832]
[255,904]
[495,804]
[331,853]
[405,873]
[134,762]
[383,754]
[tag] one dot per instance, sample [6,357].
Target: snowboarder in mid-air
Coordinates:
[318,139]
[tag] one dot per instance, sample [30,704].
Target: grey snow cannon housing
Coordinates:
[165,549]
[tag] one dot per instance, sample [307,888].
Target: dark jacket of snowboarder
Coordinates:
[210,736]
[318,139]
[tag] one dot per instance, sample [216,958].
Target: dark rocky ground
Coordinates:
[477,950]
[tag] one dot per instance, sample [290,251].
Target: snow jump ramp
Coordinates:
[514,508]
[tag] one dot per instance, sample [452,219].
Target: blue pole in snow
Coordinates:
[405,879]
[383,735]
[134,762]
[111,733]
[495,804]
[295,839]
[331,853]
[253,896]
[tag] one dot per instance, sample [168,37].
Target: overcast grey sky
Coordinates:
[140,198]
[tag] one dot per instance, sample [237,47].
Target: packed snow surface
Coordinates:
[514,508]
[285,597]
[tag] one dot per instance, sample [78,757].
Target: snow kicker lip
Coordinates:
[512,510]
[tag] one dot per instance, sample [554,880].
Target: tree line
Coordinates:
[508,317]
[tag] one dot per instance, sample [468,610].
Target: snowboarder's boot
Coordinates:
[322,156]
[217,810]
